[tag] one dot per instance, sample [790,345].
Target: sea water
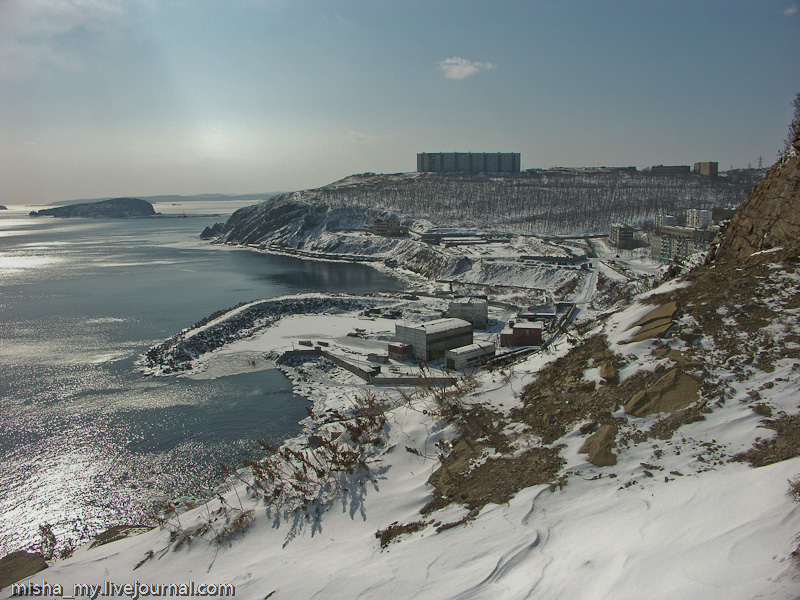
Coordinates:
[86,441]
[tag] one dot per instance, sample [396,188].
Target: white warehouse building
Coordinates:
[469,356]
[434,337]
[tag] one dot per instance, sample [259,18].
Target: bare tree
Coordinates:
[794,126]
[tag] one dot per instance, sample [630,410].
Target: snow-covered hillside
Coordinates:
[543,202]
[516,507]
[652,452]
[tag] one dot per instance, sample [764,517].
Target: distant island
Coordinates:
[3,207]
[115,208]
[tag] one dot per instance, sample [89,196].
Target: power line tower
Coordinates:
[760,165]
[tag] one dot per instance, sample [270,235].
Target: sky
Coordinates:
[105,98]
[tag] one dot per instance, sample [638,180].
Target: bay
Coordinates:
[86,441]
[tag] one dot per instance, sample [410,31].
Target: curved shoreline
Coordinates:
[179,354]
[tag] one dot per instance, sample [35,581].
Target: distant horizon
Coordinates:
[233,196]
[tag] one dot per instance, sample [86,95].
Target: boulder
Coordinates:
[599,446]
[672,392]
[609,372]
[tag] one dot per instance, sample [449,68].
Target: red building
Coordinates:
[522,334]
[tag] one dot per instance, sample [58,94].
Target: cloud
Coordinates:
[36,33]
[461,68]
[791,10]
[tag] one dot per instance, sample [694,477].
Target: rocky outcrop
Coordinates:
[769,218]
[210,233]
[19,565]
[115,208]
[674,391]
[599,446]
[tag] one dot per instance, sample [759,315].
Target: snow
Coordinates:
[698,526]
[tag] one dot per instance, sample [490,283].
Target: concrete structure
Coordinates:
[680,242]
[474,310]
[522,334]
[430,340]
[469,356]
[666,221]
[698,218]
[621,235]
[468,162]
[670,170]
[545,313]
[388,228]
[709,169]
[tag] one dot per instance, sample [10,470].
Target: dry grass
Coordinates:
[794,488]
[293,479]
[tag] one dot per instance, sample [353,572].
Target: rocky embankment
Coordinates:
[116,208]
[178,353]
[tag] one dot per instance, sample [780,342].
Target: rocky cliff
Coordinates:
[770,217]
[116,208]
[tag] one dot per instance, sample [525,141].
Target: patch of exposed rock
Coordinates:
[599,446]
[672,392]
[783,446]
[19,565]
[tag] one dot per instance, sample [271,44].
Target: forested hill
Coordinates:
[553,201]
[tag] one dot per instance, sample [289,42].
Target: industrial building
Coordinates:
[621,235]
[522,334]
[546,313]
[388,228]
[469,356]
[474,310]
[431,339]
[401,352]
[468,162]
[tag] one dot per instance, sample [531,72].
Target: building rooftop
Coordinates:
[439,325]
[469,300]
[473,347]
[526,325]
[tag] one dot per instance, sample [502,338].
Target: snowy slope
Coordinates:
[698,526]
